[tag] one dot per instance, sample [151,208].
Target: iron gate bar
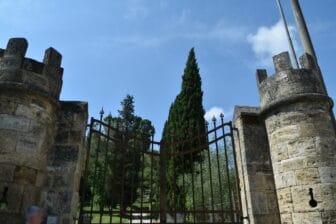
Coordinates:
[192,184]
[227,169]
[152,162]
[236,170]
[132,181]
[85,172]
[96,161]
[105,164]
[201,168]
[219,176]
[210,174]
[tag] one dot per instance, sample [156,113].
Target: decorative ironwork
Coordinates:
[125,177]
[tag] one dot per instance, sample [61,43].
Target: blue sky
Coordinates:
[112,48]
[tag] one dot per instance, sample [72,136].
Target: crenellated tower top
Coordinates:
[289,84]
[44,78]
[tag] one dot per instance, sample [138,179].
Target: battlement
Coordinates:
[44,78]
[289,83]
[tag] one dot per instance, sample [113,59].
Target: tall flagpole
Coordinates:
[302,28]
[305,37]
[288,34]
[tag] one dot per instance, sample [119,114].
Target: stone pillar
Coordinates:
[258,195]
[29,110]
[302,140]
[60,192]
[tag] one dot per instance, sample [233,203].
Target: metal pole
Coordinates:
[288,34]
[302,28]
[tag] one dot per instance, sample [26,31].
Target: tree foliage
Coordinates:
[116,159]
[185,121]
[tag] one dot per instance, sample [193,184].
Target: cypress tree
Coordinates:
[185,122]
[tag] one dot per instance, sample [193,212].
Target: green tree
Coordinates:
[118,157]
[185,121]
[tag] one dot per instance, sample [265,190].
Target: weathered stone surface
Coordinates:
[39,150]
[8,139]
[14,123]
[302,140]
[7,172]
[64,160]
[254,167]
[307,218]
[25,175]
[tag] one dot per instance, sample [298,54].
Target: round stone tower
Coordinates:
[301,134]
[29,93]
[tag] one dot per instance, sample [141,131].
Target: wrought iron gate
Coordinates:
[130,178]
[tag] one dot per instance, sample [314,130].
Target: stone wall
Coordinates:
[31,118]
[301,134]
[61,188]
[259,201]
[291,137]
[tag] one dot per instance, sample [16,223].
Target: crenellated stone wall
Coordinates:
[297,117]
[31,120]
[302,140]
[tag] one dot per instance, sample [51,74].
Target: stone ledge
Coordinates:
[307,97]
[240,111]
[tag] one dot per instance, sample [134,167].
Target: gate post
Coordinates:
[163,185]
[257,189]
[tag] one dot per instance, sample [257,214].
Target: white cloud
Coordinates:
[216,112]
[269,41]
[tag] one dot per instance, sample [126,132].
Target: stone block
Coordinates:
[259,200]
[52,57]
[15,123]
[64,155]
[282,62]
[14,197]
[59,179]
[327,174]
[292,163]
[307,176]
[285,179]
[76,136]
[57,201]
[32,65]
[307,218]
[329,216]
[7,172]
[325,194]
[286,218]
[25,175]
[279,153]
[34,111]
[39,130]
[31,196]
[28,145]
[62,136]
[40,178]
[8,141]
[285,200]
[16,47]
[7,105]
